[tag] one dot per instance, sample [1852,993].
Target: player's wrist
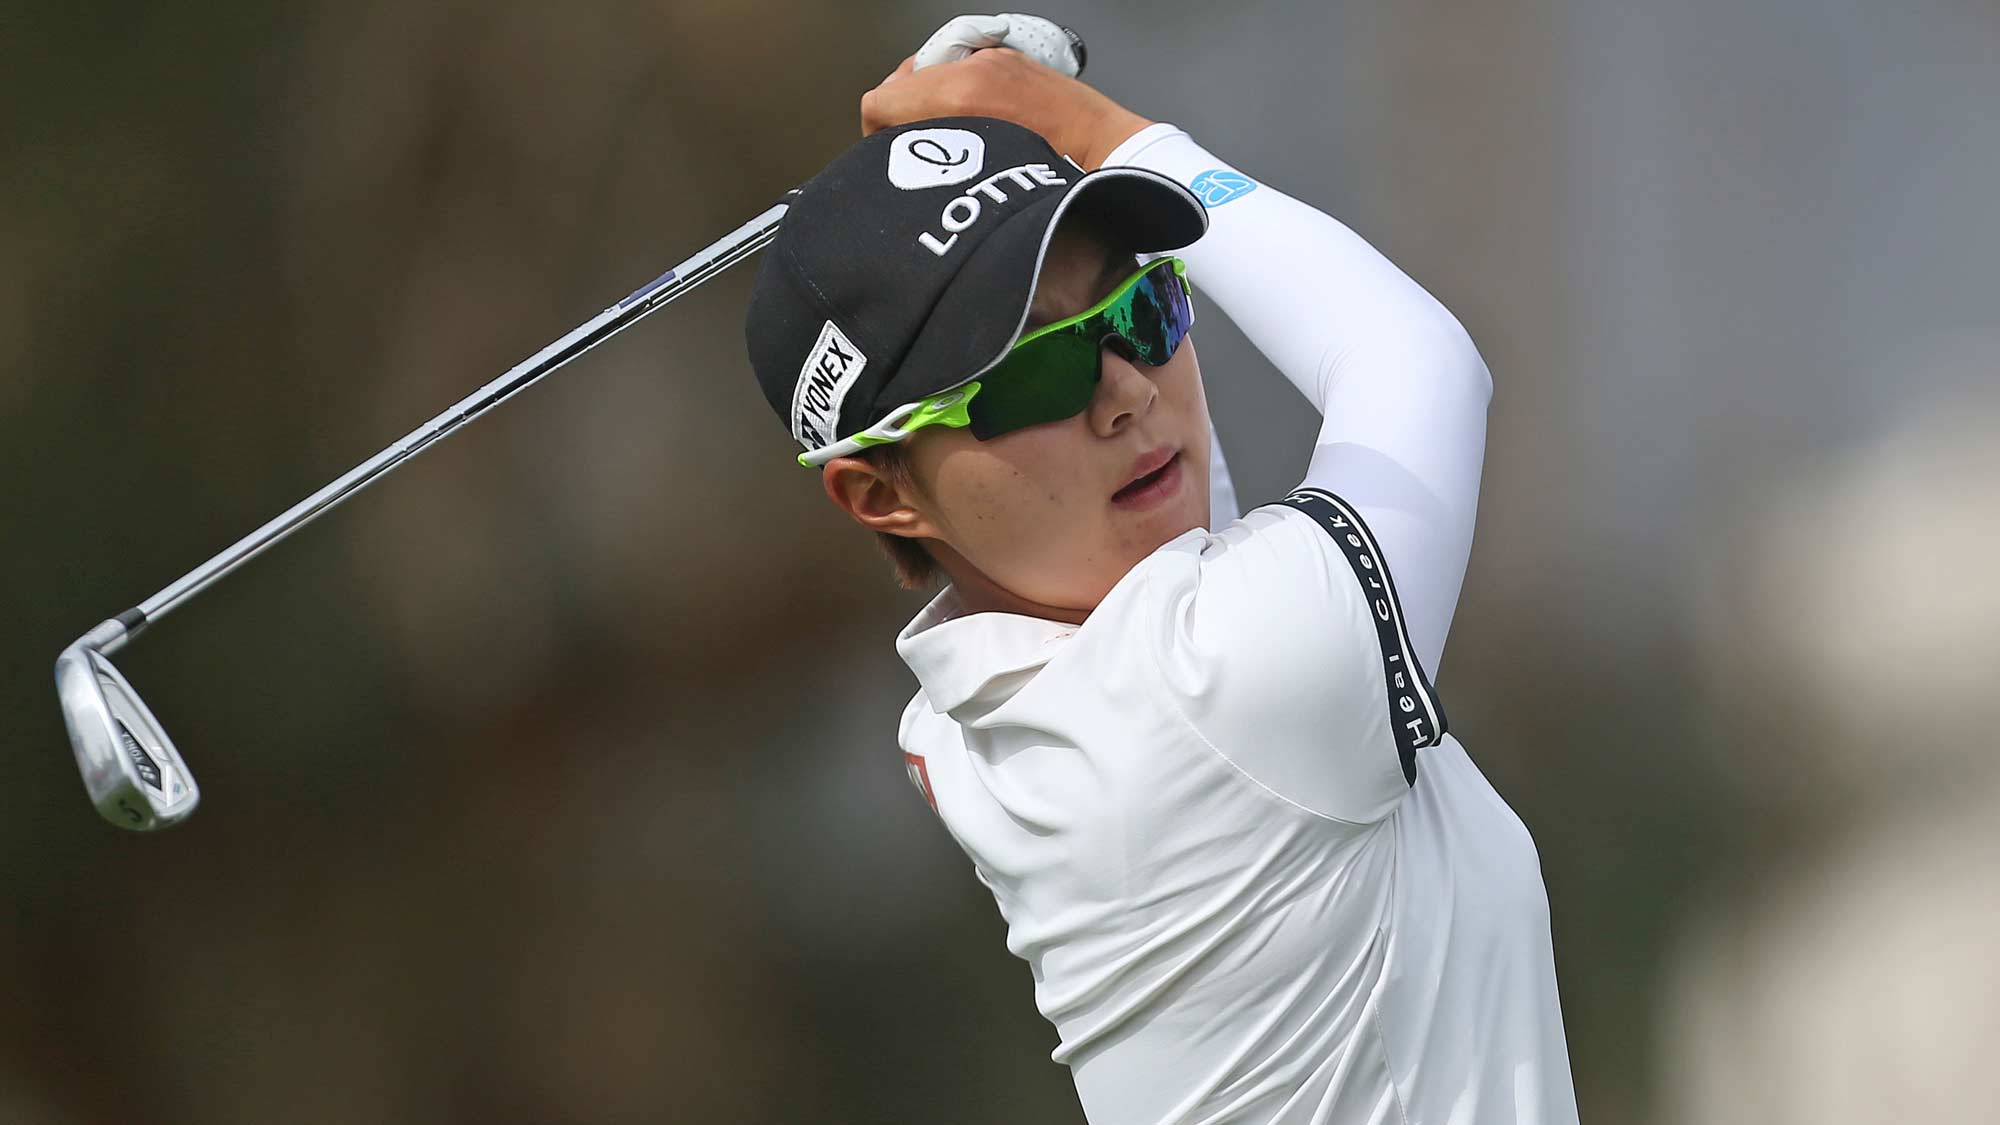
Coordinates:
[1112,126]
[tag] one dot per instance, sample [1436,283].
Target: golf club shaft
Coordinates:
[718,256]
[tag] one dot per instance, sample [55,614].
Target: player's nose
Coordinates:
[1124,393]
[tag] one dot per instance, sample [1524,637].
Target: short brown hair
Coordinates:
[915,568]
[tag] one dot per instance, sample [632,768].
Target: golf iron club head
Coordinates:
[135,776]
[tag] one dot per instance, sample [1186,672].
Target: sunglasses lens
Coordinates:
[1049,379]
[1053,377]
[1155,316]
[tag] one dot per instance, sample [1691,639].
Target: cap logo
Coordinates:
[964,210]
[928,158]
[828,374]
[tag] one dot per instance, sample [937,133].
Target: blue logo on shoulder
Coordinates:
[1218,186]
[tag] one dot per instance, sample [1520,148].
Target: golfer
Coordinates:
[1197,758]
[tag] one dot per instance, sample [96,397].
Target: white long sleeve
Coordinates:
[1401,390]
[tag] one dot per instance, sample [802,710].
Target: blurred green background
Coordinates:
[556,780]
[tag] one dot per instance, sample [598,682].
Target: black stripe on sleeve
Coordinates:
[1415,715]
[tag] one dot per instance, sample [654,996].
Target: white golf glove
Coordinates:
[1033,36]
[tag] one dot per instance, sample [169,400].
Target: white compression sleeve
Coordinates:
[1401,390]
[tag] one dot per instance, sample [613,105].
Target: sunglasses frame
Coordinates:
[950,407]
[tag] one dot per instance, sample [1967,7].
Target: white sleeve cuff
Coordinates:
[1128,152]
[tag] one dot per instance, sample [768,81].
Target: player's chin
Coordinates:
[1146,532]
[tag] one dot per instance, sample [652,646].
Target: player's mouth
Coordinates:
[1156,478]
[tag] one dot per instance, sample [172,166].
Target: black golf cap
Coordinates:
[906,266]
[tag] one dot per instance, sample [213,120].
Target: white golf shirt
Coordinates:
[1254,877]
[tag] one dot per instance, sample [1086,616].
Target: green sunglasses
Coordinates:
[1051,373]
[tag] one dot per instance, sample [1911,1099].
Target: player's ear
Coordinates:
[873,499]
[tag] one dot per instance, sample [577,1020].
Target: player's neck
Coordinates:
[980,594]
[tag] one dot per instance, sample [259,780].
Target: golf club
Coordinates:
[135,776]
[133,772]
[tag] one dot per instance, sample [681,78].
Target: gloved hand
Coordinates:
[1042,40]
[1001,81]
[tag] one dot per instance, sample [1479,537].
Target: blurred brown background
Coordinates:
[556,781]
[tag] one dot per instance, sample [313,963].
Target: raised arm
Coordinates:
[1401,390]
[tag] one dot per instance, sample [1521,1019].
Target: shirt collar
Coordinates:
[962,657]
